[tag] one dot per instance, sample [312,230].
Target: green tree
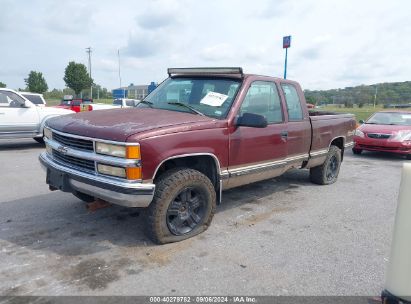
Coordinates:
[2,85]
[76,77]
[36,82]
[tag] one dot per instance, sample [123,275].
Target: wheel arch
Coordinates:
[206,163]
[339,142]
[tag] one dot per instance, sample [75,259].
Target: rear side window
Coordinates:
[295,113]
[34,98]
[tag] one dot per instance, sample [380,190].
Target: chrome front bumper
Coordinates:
[121,193]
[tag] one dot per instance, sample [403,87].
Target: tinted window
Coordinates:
[293,102]
[262,98]
[34,99]
[117,102]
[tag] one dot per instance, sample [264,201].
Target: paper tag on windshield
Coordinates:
[214,99]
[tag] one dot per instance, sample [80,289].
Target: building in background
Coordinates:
[134,91]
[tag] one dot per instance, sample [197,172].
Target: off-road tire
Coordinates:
[168,187]
[321,174]
[356,151]
[40,140]
[84,197]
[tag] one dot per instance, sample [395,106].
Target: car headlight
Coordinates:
[112,150]
[111,170]
[132,173]
[359,133]
[402,136]
[132,152]
[47,133]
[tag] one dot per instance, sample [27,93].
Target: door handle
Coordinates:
[284,134]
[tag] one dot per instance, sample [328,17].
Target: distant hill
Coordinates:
[387,93]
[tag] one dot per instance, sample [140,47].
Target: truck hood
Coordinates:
[119,124]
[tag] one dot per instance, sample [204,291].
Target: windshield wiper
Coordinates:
[186,106]
[149,103]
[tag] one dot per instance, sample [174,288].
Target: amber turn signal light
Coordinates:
[133,152]
[134,173]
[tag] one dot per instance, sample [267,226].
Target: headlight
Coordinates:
[359,133]
[118,151]
[47,133]
[111,170]
[402,136]
[132,173]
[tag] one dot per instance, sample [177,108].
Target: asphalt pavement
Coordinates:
[283,236]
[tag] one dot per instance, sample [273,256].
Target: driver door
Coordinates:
[15,118]
[258,153]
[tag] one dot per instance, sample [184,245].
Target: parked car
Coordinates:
[20,118]
[385,131]
[83,105]
[201,131]
[125,102]
[76,105]
[35,98]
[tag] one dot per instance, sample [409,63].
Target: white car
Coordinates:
[35,98]
[125,102]
[20,118]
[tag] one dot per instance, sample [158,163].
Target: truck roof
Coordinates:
[230,72]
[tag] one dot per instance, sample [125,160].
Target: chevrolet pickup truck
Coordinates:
[201,131]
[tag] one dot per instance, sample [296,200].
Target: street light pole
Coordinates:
[119,72]
[88,50]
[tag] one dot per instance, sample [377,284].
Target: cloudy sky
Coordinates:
[335,44]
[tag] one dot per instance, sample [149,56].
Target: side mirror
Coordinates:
[251,120]
[361,121]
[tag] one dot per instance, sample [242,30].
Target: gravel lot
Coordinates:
[283,236]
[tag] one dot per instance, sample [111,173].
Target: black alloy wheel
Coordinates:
[186,211]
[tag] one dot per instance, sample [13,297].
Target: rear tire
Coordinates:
[327,173]
[40,140]
[183,206]
[356,151]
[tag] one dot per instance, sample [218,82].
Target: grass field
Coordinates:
[360,113]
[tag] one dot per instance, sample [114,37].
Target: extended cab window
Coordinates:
[262,98]
[293,102]
[210,96]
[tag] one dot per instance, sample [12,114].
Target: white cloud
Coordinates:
[334,44]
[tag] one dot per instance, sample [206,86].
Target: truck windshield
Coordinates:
[210,96]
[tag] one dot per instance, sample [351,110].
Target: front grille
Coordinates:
[378,135]
[74,161]
[72,142]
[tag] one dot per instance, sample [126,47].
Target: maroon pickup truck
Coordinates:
[203,130]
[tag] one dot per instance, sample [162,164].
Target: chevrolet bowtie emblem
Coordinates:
[62,149]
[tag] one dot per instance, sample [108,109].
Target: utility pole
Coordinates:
[375,95]
[88,50]
[119,72]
